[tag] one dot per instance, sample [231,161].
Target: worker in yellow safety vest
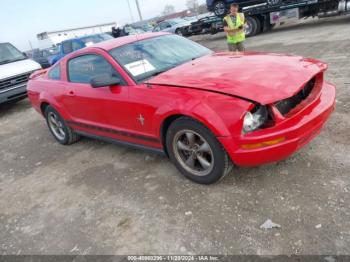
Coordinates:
[234,24]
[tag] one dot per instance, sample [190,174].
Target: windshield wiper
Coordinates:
[153,75]
[157,73]
[11,60]
[6,61]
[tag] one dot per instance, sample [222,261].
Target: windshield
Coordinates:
[133,31]
[94,39]
[50,51]
[190,18]
[176,21]
[147,28]
[147,58]
[9,53]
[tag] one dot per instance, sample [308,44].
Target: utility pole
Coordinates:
[30,44]
[138,9]
[130,11]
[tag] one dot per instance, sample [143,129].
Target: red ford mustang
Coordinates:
[204,110]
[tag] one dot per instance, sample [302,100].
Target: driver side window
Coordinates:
[77,45]
[83,68]
[164,25]
[67,47]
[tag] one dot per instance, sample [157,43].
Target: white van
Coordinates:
[15,69]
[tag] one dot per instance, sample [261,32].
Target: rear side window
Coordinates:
[55,73]
[77,45]
[67,47]
[83,68]
[164,25]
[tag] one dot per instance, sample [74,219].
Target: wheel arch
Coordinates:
[46,101]
[218,130]
[43,106]
[164,129]
[177,30]
[222,115]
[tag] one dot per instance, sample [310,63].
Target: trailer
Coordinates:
[210,24]
[263,15]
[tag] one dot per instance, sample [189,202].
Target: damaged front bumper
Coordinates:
[280,141]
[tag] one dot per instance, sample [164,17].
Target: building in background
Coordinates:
[49,39]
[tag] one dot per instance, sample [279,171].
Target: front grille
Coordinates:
[286,105]
[14,81]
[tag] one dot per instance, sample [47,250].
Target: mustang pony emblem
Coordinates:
[141,119]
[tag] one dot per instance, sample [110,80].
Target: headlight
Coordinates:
[255,119]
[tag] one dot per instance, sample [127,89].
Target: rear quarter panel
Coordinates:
[43,90]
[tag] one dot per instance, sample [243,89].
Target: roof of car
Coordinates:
[120,41]
[81,37]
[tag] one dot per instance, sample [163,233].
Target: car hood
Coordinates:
[182,24]
[261,77]
[18,68]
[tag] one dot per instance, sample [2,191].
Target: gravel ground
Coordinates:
[97,198]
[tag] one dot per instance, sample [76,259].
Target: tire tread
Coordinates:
[228,165]
[72,137]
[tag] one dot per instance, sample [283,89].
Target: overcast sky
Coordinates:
[22,20]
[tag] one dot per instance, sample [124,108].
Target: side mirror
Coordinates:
[168,26]
[25,54]
[104,80]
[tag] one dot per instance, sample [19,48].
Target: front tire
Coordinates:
[179,32]
[196,152]
[58,127]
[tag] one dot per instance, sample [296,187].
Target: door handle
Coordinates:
[71,93]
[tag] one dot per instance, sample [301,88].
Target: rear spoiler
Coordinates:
[37,73]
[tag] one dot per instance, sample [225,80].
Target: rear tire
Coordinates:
[58,127]
[253,26]
[269,27]
[196,152]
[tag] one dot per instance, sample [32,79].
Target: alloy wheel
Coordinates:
[193,152]
[56,126]
[220,8]
[248,28]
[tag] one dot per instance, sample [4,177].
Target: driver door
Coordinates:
[165,27]
[95,110]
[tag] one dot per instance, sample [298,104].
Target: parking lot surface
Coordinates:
[98,198]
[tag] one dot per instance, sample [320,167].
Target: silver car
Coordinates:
[172,26]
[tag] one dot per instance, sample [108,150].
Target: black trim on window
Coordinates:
[57,66]
[123,81]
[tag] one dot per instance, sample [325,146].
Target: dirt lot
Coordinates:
[97,198]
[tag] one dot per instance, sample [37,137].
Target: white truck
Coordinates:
[15,69]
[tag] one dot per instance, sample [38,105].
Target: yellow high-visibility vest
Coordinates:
[233,38]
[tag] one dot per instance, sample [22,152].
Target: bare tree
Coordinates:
[168,9]
[192,5]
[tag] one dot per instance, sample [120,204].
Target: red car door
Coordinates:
[95,110]
[146,104]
